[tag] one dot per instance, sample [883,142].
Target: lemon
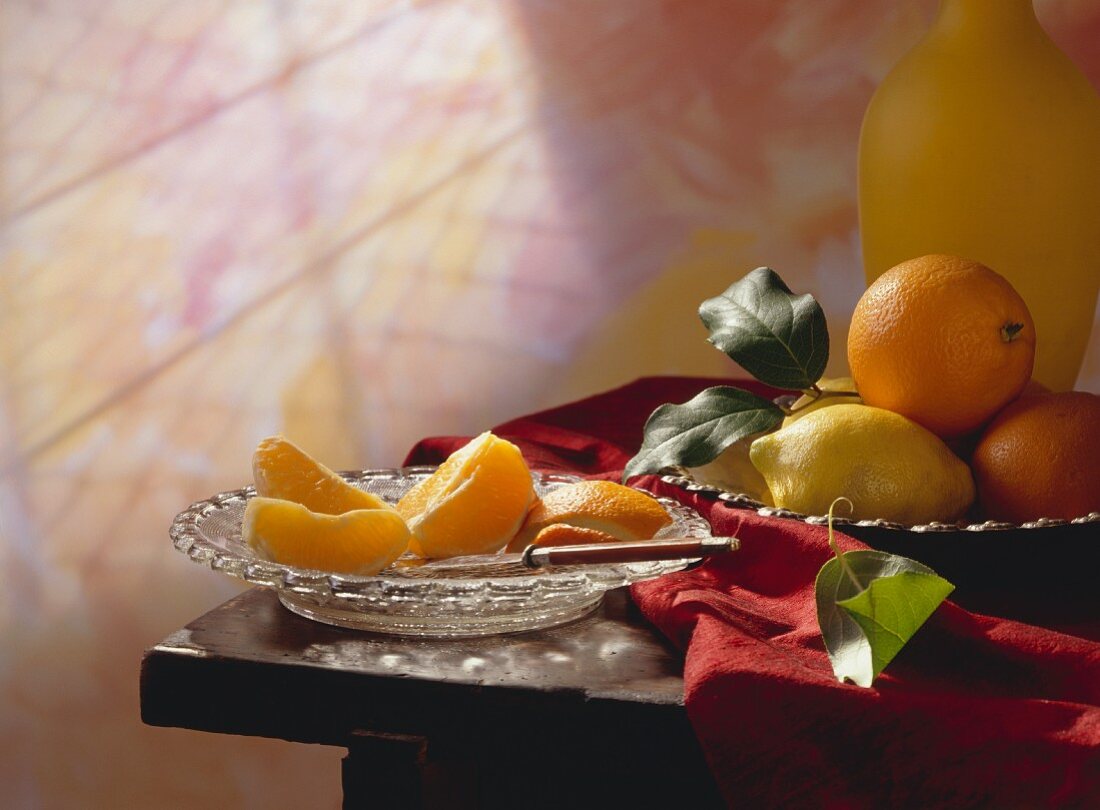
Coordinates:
[733,471]
[806,403]
[886,465]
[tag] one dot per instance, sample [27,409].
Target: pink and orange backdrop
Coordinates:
[359,223]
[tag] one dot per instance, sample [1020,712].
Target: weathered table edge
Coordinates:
[185,686]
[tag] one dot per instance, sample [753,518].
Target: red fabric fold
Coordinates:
[976,711]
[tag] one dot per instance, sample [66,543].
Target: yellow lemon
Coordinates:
[888,466]
[733,471]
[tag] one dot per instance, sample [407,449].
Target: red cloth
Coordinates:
[976,711]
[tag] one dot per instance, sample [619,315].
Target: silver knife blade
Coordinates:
[538,557]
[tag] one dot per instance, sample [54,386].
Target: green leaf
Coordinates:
[892,609]
[866,622]
[695,432]
[778,337]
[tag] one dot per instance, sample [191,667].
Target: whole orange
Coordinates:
[942,340]
[1040,457]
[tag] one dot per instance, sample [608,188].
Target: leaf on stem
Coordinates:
[778,337]
[866,616]
[696,432]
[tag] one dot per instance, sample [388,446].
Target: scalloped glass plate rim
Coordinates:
[683,478]
[243,564]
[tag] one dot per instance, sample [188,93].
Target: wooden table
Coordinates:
[586,714]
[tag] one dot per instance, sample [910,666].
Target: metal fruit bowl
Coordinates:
[1042,570]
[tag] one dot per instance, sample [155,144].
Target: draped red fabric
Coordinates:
[976,711]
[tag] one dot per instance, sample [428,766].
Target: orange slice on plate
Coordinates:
[283,470]
[562,534]
[473,504]
[603,506]
[361,542]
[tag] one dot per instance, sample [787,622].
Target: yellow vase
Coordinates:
[984,142]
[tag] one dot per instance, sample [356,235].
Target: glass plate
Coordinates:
[437,599]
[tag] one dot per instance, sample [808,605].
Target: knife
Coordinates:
[672,548]
[541,557]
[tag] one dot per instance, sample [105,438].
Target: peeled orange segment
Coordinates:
[439,485]
[360,542]
[283,470]
[473,504]
[622,512]
[562,534]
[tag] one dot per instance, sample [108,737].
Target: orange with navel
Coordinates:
[1040,457]
[942,340]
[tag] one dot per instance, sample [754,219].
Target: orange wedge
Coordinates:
[622,512]
[283,470]
[360,542]
[473,504]
[562,534]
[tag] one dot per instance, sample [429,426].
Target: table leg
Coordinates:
[384,771]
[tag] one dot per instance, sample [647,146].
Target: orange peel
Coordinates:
[604,506]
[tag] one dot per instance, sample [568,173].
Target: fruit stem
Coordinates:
[1010,330]
[815,396]
[827,394]
[836,549]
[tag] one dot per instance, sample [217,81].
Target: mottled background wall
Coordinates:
[359,223]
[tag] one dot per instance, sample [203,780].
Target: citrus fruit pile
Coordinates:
[478,501]
[947,423]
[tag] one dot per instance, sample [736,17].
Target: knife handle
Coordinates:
[673,548]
